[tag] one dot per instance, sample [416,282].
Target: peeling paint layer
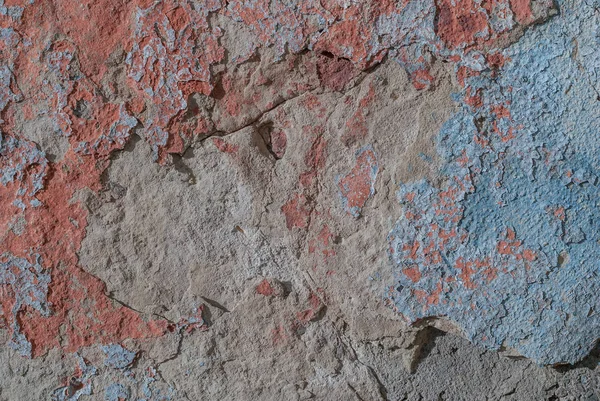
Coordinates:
[508,247]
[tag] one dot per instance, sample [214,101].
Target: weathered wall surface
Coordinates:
[281,200]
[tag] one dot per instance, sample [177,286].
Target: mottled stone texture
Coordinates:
[293,200]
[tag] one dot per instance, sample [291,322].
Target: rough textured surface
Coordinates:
[281,200]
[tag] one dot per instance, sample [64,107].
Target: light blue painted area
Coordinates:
[116,137]
[155,389]
[543,184]
[61,85]
[14,12]
[22,162]
[29,283]
[10,40]
[116,392]
[118,357]
[77,386]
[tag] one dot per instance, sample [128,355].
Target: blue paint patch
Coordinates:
[22,162]
[77,386]
[116,392]
[425,157]
[59,84]
[14,12]
[118,357]
[116,137]
[10,41]
[153,389]
[29,283]
[509,247]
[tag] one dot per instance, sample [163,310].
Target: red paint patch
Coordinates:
[265,288]
[297,212]
[422,78]
[356,126]
[224,146]
[315,158]
[358,186]
[279,335]
[97,27]
[522,10]
[468,268]
[510,246]
[178,18]
[80,308]
[197,321]
[429,299]
[304,317]
[412,273]
[334,72]
[278,143]
[461,23]
[322,243]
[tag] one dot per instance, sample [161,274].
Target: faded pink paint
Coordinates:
[357,187]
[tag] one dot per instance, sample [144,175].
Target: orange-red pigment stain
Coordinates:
[359,185]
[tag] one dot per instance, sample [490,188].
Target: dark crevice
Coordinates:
[177,351]
[591,361]
[355,392]
[182,167]
[425,341]
[215,304]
